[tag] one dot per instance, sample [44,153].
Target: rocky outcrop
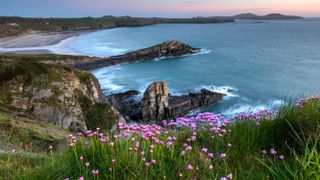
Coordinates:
[65,97]
[180,105]
[155,102]
[166,49]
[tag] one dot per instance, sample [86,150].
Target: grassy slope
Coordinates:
[294,133]
[25,25]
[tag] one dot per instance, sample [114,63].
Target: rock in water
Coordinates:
[155,102]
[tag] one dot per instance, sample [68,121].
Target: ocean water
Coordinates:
[263,63]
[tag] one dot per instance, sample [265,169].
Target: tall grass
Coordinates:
[284,147]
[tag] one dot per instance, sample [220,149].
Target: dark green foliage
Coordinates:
[102,116]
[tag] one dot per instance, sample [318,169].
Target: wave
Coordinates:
[229,91]
[252,108]
[202,51]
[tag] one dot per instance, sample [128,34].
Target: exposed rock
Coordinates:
[67,98]
[180,105]
[155,102]
[167,49]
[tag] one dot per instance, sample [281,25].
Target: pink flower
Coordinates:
[81,158]
[81,178]
[281,157]
[190,167]
[95,171]
[210,166]
[110,169]
[210,155]
[264,152]
[230,176]
[273,151]
[182,153]
[142,153]
[87,164]
[169,144]
[205,150]
[147,164]
[189,148]
[113,161]
[223,155]
[223,178]
[111,144]
[229,145]
[130,149]
[153,161]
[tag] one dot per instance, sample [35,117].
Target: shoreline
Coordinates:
[39,39]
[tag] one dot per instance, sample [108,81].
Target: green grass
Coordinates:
[293,132]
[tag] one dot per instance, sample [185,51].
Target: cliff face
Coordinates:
[67,98]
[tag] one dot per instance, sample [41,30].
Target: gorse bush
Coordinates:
[263,145]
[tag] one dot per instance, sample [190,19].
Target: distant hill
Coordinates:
[273,16]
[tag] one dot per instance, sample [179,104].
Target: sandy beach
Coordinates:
[38,39]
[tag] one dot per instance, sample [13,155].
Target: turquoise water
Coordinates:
[262,62]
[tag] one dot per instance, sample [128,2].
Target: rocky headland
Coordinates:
[54,91]
[171,48]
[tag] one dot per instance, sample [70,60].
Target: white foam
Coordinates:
[202,51]
[252,108]
[227,90]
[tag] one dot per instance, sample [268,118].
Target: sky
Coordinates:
[159,8]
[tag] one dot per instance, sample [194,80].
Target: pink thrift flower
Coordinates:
[153,161]
[223,155]
[81,178]
[95,171]
[182,153]
[230,176]
[281,157]
[264,152]
[142,153]
[273,151]
[147,164]
[223,178]
[111,144]
[210,166]
[229,145]
[87,164]
[81,158]
[189,148]
[210,155]
[190,167]
[113,161]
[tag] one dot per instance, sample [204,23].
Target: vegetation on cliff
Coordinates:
[10,26]
[263,145]
[51,93]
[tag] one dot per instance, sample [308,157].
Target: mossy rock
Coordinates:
[16,129]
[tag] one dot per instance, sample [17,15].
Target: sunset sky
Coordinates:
[163,8]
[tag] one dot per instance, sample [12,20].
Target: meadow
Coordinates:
[282,144]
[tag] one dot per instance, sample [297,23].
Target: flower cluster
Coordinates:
[262,114]
[199,121]
[303,102]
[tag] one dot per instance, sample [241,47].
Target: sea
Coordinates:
[257,64]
